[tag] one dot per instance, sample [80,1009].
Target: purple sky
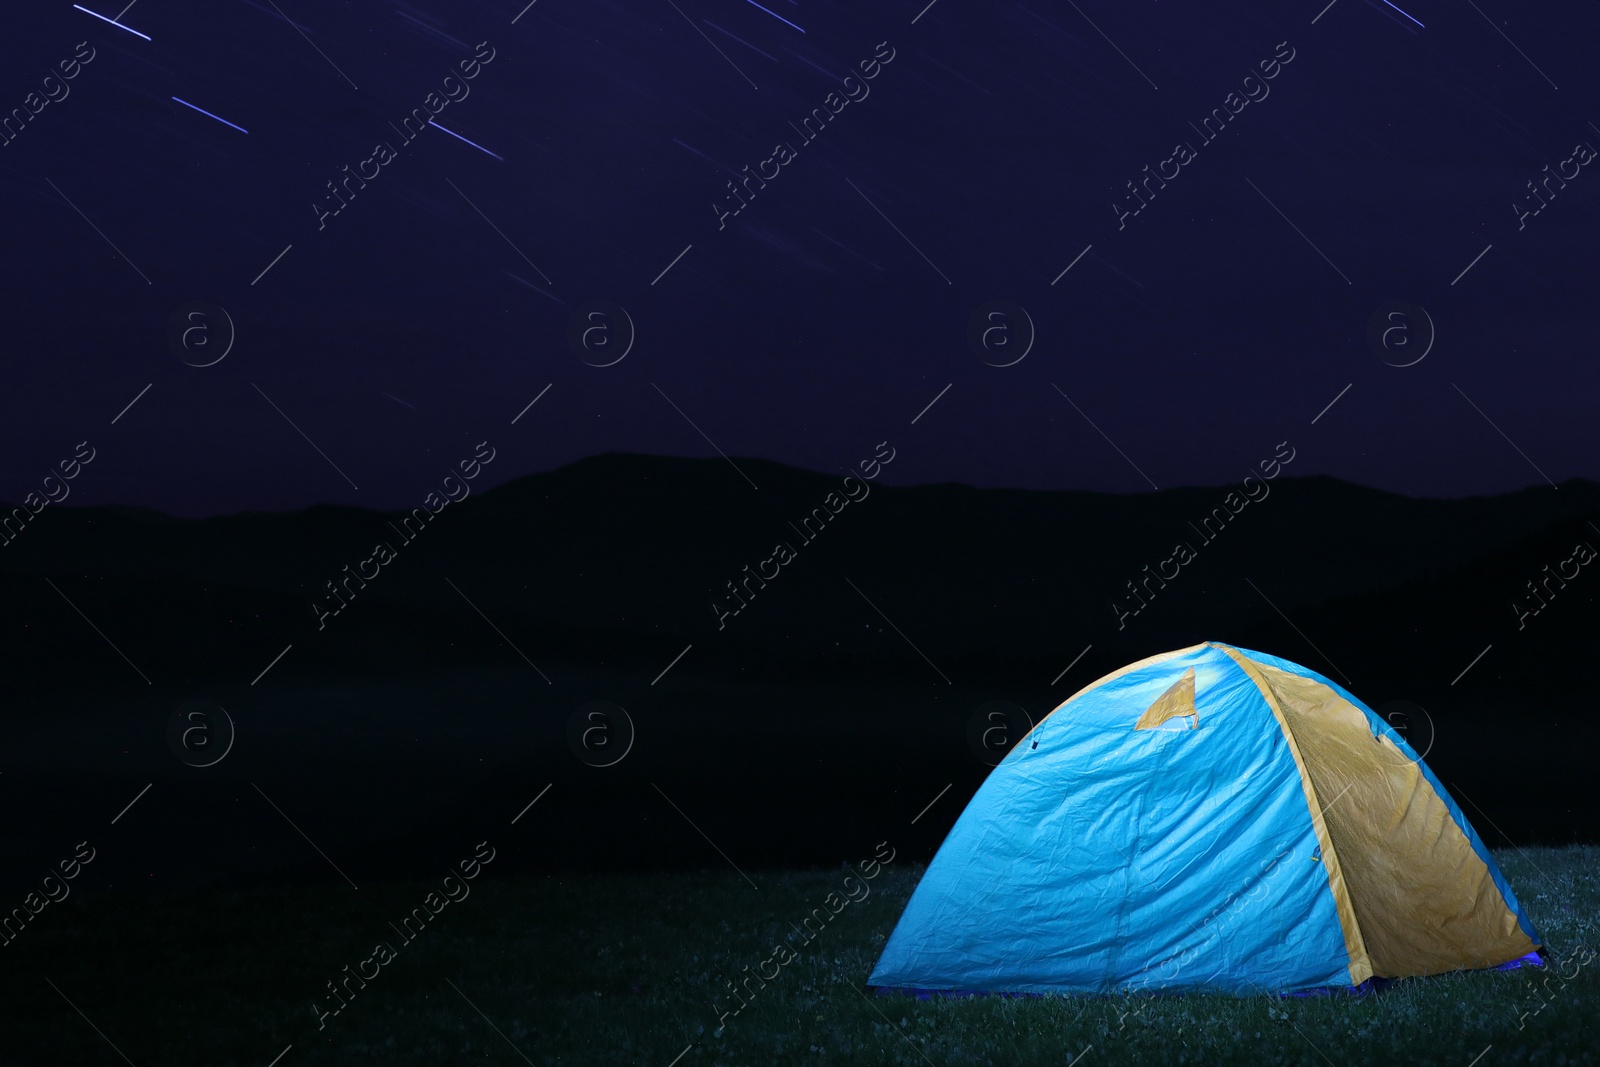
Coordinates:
[978,162]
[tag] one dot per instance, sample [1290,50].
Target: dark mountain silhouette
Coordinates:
[833,705]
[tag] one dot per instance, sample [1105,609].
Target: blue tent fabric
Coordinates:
[1100,858]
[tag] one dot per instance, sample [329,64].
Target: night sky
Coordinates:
[1360,160]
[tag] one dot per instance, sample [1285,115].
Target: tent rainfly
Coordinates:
[1206,819]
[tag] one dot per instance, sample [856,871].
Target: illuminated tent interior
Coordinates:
[1206,819]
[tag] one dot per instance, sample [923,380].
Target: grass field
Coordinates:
[627,970]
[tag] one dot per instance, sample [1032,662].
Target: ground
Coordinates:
[629,970]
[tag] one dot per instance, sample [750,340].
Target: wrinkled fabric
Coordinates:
[1186,856]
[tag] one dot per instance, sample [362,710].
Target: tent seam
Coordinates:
[1355,943]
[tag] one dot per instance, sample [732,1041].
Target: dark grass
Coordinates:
[627,970]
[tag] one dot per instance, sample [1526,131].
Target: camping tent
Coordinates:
[1206,819]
